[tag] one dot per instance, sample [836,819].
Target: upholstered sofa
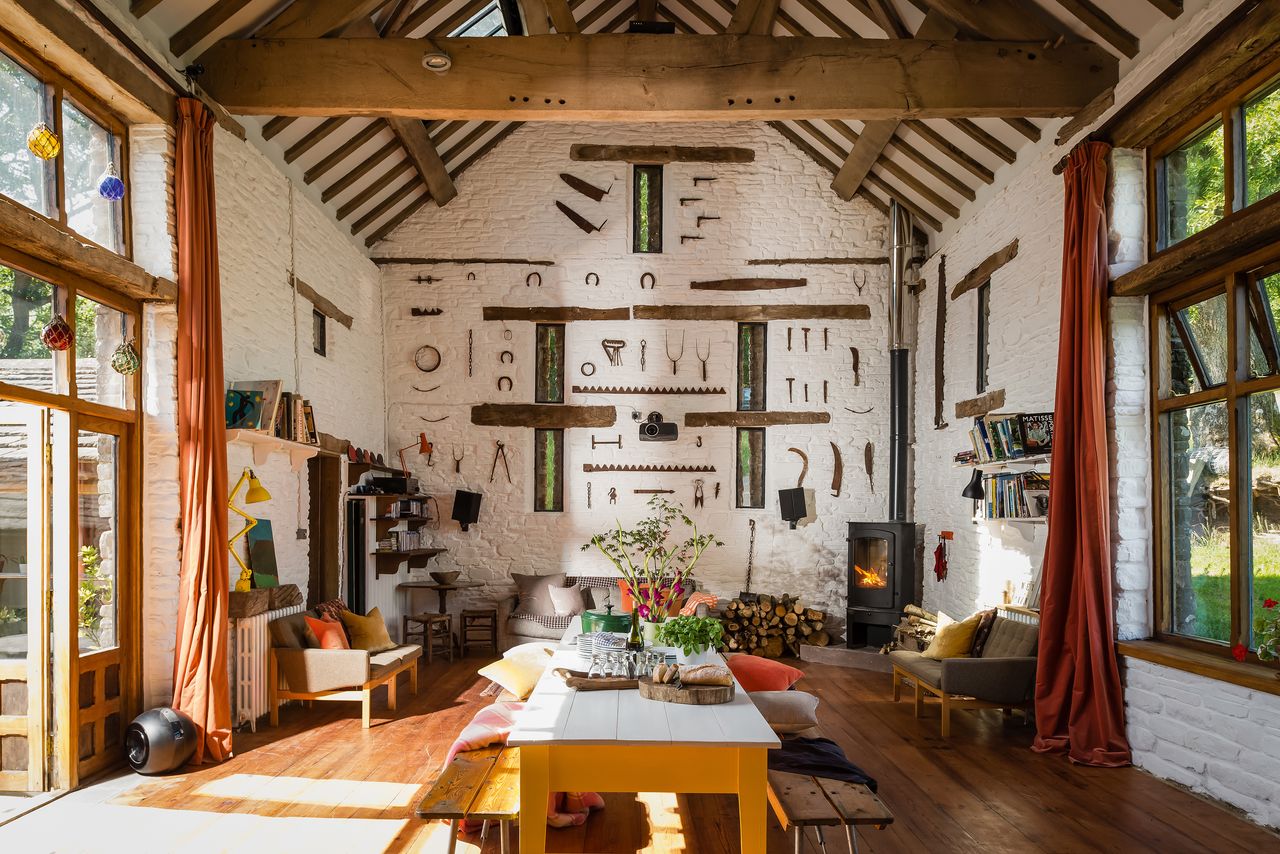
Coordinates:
[1002,677]
[332,674]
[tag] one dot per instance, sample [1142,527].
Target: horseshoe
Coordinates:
[471,277]
[500,379]
[529,279]
[804,470]
[653,280]
[433,358]
[506,357]
[596,283]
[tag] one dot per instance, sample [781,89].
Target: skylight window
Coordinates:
[487,22]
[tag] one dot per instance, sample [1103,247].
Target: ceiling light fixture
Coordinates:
[439,62]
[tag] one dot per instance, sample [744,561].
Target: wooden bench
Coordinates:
[479,785]
[801,801]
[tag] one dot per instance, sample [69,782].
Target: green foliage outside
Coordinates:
[25,308]
[94,594]
[1212,580]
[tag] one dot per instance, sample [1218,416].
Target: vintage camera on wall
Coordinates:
[654,429]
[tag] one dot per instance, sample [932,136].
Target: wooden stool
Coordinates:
[436,631]
[479,627]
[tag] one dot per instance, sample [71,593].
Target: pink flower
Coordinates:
[1239,652]
[1270,603]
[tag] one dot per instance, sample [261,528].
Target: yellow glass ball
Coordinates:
[43,142]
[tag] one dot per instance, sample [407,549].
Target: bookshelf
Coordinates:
[994,465]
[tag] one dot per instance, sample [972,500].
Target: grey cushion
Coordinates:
[381,662]
[916,664]
[532,590]
[1011,639]
[996,680]
[290,632]
[309,671]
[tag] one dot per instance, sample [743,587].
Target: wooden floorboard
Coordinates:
[983,789]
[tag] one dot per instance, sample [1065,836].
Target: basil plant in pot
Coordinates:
[655,567]
[696,637]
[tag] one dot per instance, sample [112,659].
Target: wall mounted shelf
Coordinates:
[264,445]
[993,465]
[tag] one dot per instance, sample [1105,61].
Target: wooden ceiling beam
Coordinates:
[413,135]
[888,20]
[561,18]
[986,140]
[370,163]
[1001,20]
[138,8]
[396,16]
[314,137]
[313,19]
[675,78]
[277,124]
[536,17]
[203,25]
[647,10]
[1024,127]
[396,221]
[387,204]
[889,165]
[450,24]
[958,155]
[383,181]
[613,24]
[362,137]
[1170,8]
[1093,17]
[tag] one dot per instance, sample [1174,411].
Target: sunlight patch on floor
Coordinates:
[104,827]
[665,824]
[356,794]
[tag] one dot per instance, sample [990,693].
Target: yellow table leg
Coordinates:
[534,762]
[752,803]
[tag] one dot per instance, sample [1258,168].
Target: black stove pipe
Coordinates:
[900,254]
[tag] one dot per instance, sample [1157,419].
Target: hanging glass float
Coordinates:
[111,185]
[43,142]
[125,359]
[57,334]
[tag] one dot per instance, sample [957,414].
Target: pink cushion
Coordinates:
[763,674]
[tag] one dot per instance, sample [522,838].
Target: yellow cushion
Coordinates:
[516,675]
[953,640]
[368,632]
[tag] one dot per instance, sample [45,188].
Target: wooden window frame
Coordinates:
[319,333]
[983,366]
[739,383]
[655,247]
[1235,281]
[59,87]
[1229,110]
[737,468]
[538,394]
[538,483]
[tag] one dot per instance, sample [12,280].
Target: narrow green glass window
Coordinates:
[646,219]
[548,471]
[752,356]
[749,481]
[549,362]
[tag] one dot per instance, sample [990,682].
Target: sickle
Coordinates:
[804,469]
[838,475]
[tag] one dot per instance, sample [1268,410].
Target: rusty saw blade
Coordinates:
[591,191]
[578,219]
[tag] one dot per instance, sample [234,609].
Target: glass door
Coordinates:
[24,596]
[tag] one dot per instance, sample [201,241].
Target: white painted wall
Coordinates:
[779,206]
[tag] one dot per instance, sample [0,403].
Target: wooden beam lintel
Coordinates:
[754,419]
[983,271]
[554,313]
[753,313]
[542,415]
[323,305]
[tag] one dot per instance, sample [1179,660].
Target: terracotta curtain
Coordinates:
[1079,698]
[200,661]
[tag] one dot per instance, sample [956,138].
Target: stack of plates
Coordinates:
[587,643]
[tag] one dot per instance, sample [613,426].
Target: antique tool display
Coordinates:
[804,330]
[650,278]
[613,350]
[859,411]
[716,492]
[588,495]
[869,463]
[697,349]
[591,191]
[470,349]
[652,469]
[504,383]
[613,495]
[826,338]
[643,346]
[499,451]
[506,357]
[789,339]
[425,312]
[424,390]
[595,443]
[590,283]
[583,368]
[698,495]
[457,460]
[804,465]
[653,491]
[698,181]
[434,420]
[702,219]
[674,360]
[791,382]
[837,471]
[579,220]
[685,238]
[859,283]
[857,363]
[689,200]
[806,392]
[751,554]
[535,276]
[426,280]
[610,389]
[824,391]
[427,358]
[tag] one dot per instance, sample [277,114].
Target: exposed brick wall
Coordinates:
[779,206]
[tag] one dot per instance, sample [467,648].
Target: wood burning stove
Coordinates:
[883,576]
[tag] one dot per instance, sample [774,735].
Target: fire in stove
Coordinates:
[870,577]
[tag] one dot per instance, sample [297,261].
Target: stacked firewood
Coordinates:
[916,629]
[772,626]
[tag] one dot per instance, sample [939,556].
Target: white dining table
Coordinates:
[617,741]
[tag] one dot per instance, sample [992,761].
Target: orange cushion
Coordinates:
[763,674]
[329,633]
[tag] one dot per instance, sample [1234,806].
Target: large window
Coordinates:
[1217,435]
[1226,160]
[646,212]
[65,188]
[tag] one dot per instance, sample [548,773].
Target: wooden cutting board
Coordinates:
[579,681]
[689,695]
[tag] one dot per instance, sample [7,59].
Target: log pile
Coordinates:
[772,626]
[916,629]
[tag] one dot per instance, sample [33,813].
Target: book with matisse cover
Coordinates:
[1037,432]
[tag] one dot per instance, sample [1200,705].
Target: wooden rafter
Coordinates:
[1089,14]
[957,154]
[138,8]
[276,124]
[536,17]
[369,164]
[343,151]
[1001,20]
[363,197]
[897,170]
[379,210]
[310,19]
[1171,8]
[986,140]
[314,137]
[888,20]
[203,25]
[429,9]
[561,18]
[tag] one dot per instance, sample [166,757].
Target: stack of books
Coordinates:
[1009,436]
[1015,496]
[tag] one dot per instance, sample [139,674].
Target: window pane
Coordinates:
[1198,500]
[1198,346]
[549,360]
[1193,187]
[1264,339]
[97,478]
[647,209]
[26,306]
[87,149]
[749,483]
[24,177]
[487,23]
[752,356]
[548,470]
[1262,146]
[984,345]
[1264,505]
[319,334]
[100,330]
[18,516]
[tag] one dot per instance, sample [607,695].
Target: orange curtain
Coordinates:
[200,662]
[1079,697]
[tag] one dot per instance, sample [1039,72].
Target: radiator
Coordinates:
[250,643]
[1019,614]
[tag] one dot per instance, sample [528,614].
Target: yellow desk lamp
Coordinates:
[257,493]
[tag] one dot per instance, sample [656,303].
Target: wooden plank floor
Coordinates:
[980,790]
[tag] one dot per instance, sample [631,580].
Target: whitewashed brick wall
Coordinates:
[779,206]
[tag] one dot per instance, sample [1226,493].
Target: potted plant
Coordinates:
[696,637]
[655,569]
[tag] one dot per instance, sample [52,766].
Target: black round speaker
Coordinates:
[159,740]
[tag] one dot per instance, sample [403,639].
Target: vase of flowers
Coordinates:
[655,567]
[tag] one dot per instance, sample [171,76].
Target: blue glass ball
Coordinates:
[110,186]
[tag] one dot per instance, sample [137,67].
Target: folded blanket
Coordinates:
[491,726]
[817,757]
[695,599]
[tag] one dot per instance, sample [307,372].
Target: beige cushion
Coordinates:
[532,590]
[530,629]
[787,712]
[952,639]
[1011,639]
[566,600]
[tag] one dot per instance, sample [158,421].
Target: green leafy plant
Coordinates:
[655,570]
[1266,631]
[692,634]
[94,594]
[9,615]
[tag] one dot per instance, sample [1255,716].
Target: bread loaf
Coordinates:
[706,674]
